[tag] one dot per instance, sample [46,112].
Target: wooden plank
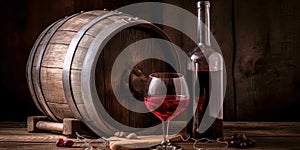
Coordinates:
[110,53]
[278,143]
[61,110]
[221,29]
[71,126]
[268,135]
[52,86]
[80,5]
[54,55]
[105,4]
[266,60]
[275,129]
[21,28]
[137,75]
[175,36]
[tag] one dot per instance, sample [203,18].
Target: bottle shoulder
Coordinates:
[208,57]
[201,51]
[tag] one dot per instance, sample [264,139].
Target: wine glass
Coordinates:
[166,96]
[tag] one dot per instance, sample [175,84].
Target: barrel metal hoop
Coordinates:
[89,93]
[69,59]
[29,68]
[39,62]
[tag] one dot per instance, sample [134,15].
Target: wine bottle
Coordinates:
[206,87]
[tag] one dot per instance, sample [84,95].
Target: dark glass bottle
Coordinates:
[206,87]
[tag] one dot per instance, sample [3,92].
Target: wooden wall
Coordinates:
[260,42]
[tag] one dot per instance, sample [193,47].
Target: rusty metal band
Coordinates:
[39,62]
[95,115]
[29,68]
[69,58]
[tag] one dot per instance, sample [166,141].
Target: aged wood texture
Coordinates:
[266,67]
[221,28]
[22,28]
[265,71]
[69,70]
[260,52]
[268,135]
[46,63]
[123,108]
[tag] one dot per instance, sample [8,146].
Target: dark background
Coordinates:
[260,41]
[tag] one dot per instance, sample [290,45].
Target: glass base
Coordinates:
[166,147]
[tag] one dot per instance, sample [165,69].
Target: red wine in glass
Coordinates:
[166,96]
[166,106]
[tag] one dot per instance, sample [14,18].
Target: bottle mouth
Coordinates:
[205,3]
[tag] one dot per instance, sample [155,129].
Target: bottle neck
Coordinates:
[203,26]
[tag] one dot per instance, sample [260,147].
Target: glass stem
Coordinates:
[165,130]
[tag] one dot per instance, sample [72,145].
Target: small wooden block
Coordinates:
[71,126]
[31,123]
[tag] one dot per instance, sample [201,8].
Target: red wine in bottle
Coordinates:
[206,71]
[209,125]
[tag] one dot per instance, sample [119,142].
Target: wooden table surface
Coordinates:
[268,135]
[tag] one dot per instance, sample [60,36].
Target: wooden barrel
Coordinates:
[69,70]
